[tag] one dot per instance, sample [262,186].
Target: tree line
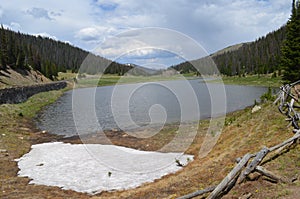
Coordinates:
[23,51]
[259,57]
[277,52]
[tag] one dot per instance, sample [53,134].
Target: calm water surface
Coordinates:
[134,105]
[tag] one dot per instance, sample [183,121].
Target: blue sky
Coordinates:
[214,24]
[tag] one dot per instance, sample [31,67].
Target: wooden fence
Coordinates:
[288,97]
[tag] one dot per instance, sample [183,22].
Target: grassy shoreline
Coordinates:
[17,134]
[110,80]
[265,128]
[249,80]
[252,80]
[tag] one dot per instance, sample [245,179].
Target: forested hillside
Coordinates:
[22,51]
[259,57]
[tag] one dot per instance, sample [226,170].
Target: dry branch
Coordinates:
[198,193]
[271,175]
[258,158]
[286,142]
[231,176]
[247,196]
[229,181]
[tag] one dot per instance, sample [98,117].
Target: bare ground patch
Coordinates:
[244,132]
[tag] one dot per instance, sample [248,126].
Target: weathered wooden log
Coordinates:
[233,174]
[286,142]
[198,193]
[258,158]
[229,186]
[246,196]
[271,175]
[280,150]
[229,181]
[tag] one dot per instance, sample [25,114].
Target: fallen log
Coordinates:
[198,193]
[250,168]
[231,176]
[246,196]
[271,175]
[236,173]
[286,142]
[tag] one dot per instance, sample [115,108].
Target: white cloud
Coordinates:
[39,13]
[94,33]
[46,35]
[213,23]
[150,46]
[1,12]
[12,26]
[15,26]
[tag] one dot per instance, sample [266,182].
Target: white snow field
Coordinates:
[92,168]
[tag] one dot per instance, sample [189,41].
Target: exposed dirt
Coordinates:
[244,133]
[9,78]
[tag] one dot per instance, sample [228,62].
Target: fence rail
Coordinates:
[288,99]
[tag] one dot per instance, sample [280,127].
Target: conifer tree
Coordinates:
[20,63]
[290,60]
[3,48]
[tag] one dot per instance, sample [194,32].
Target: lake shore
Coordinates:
[252,80]
[264,128]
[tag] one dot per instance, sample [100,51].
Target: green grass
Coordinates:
[66,75]
[253,80]
[106,80]
[16,119]
[28,109]
[34,104]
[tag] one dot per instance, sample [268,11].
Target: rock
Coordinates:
[3,151]
[116,130]
[24,129]
[255,109]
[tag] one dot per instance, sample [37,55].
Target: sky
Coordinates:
[88,24]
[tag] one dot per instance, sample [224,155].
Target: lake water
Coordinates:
[135,105]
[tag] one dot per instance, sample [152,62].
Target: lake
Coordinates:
[132,106]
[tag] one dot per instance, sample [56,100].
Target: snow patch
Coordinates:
[79,167]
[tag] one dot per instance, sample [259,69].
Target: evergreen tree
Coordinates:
[290,60]
[11,52]
[20,63]
[3,48]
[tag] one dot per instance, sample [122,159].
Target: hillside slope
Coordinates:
[244,132]
[23,51]
[257,57]
[10,77]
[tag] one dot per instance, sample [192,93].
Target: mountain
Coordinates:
[258,57]
[48,56]
[140,70]
[227,49]
[26,52]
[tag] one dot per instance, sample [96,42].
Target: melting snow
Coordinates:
[93,168]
